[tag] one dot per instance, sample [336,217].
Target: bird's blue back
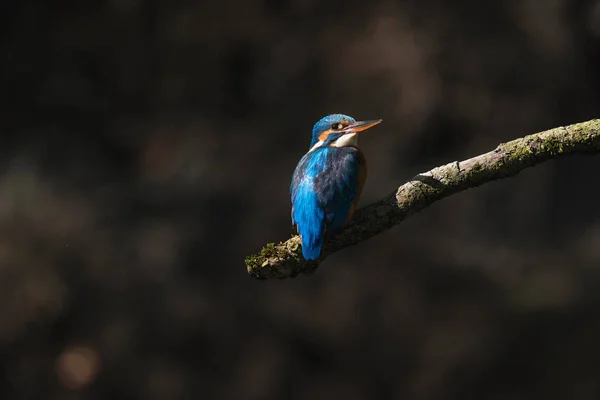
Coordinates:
[324,187]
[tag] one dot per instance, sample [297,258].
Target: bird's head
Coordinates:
[338,130]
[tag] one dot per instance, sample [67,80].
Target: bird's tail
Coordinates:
[311,226]
[312,242]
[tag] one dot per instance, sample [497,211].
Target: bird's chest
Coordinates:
[343,167]
[341,161]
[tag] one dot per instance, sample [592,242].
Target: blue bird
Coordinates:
[328,180]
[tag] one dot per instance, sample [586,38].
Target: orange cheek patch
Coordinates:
[324,135]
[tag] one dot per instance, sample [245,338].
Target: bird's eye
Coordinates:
[337,126]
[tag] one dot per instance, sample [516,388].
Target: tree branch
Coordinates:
[285,259]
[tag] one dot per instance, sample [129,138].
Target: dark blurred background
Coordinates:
[147,147]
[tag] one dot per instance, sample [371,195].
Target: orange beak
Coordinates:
[360,126]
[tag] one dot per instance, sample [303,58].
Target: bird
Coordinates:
[328,180]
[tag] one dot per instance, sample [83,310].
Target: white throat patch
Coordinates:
[349,139]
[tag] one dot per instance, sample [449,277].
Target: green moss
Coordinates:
[556,142]
[269,250]
[521,150]
[251,261]
[588,132]
[254,261]
[279,251]
[495,167]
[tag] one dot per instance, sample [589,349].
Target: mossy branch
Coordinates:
[285,259]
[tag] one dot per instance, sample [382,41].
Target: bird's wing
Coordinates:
[308,213]
[324,190]
[338,187]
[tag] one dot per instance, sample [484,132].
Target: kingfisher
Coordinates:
[328,180]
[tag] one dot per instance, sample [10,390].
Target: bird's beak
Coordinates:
[360,126]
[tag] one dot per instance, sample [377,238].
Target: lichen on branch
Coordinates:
[284,260]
